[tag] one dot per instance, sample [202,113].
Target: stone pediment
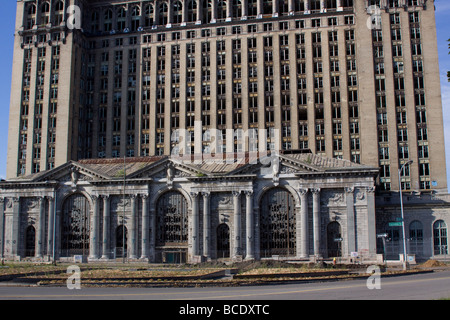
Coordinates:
[71,171]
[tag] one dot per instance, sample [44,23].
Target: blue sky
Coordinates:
[7,22]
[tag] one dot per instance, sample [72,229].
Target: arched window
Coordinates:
[59,13]
[45,14]
[163,14]
[75,226]
[267,7]
[278,229]
[149,15]
[107,20]
[331,5]
[135,18]
[315,5]
[236,9]
[121,19]
[95,19]
[30,16]
[192,11]
[299,6]
[172,219]
[206,11]
[252,8]
[416,237]
[283,7]
[59,6]
[440,237]
[221,10]
[177,12]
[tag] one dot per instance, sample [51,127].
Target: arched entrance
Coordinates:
[172,227]
[30,236]
[278,236]
[334,240]
[121,240]
[75,226]
[223,241]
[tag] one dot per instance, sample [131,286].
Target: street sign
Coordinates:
[395,224]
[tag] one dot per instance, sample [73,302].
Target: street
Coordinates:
[422,286]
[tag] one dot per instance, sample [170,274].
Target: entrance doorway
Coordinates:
[334,239]
[223,241]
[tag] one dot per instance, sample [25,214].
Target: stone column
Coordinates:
[15,227]
[152,231]
[93,243]
[351,227]
[339,5]
[250,239]
[304,246]
[41,229]
[133,228]
[229,10]
[51,222]
[323,6]
[195,224]
[213,12]
[2,226]
[106,227]
[371,221]
[275,8]
[291,6]
[244,11]
[145,227]
[259,8]
[316,220]
[236,224]
[206,225]
[307,11]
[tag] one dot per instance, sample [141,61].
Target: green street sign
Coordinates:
[395,224]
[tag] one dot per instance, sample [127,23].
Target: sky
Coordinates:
[7,23]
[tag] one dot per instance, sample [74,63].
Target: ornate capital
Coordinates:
[194,194]
[206,194]
[236,193]
[248,193]
[315,190]
[349,189]
[303,191]
[370,189]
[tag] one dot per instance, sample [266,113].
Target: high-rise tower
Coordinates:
[357,80]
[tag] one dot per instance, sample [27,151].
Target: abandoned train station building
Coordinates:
[345,94]
[294,207]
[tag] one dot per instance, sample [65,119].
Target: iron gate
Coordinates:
[75,226]
[172,219]
[278,236]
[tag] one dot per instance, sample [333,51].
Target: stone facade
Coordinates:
[316,71]
[207,196]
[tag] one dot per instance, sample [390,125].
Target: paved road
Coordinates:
[424,286]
